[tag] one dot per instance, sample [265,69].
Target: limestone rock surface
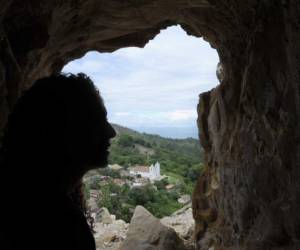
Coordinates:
[110,236]
[181,221]
[147,233]
[104,216]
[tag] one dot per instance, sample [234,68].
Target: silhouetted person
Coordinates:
[56,133]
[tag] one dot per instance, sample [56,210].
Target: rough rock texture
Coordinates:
[110,236]
[104,216]
[183,223]
[249,196]
[145,232]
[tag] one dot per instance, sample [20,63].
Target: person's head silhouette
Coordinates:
[60,121]
[57,131]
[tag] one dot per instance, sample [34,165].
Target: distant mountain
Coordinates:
[123,130]
[171,132]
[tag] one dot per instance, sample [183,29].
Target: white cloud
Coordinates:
[183,115]
[88,66]
[122,114]
[158,85]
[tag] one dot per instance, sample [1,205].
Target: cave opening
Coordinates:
[157,85]
[248,197]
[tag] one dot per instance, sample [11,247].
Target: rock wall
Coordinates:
[249,195]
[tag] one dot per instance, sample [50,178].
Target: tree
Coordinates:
[126,140]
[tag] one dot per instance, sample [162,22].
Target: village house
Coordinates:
[152,172]
[94,193]
[119,182]
[139,182]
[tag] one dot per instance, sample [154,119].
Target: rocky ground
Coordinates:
[110,236]
[174,232]
[183,223]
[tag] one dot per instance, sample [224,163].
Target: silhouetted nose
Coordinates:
[111,131]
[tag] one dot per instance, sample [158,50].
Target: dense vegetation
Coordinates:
[179,158]
[121,200]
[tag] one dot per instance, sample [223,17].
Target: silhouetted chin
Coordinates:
[101,161]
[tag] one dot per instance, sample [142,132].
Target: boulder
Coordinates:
[104,216]
[182,222]
[147,233]
[110,236]
[184,199]
[93,206]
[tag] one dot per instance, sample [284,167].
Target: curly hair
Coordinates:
[78,198]
[59,103]
[50,124]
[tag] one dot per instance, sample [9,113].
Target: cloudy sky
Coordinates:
[154,89]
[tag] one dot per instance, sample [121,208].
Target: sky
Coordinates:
[154,89]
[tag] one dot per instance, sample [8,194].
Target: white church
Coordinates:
[152,172]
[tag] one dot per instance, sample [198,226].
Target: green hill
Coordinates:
[179,158]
